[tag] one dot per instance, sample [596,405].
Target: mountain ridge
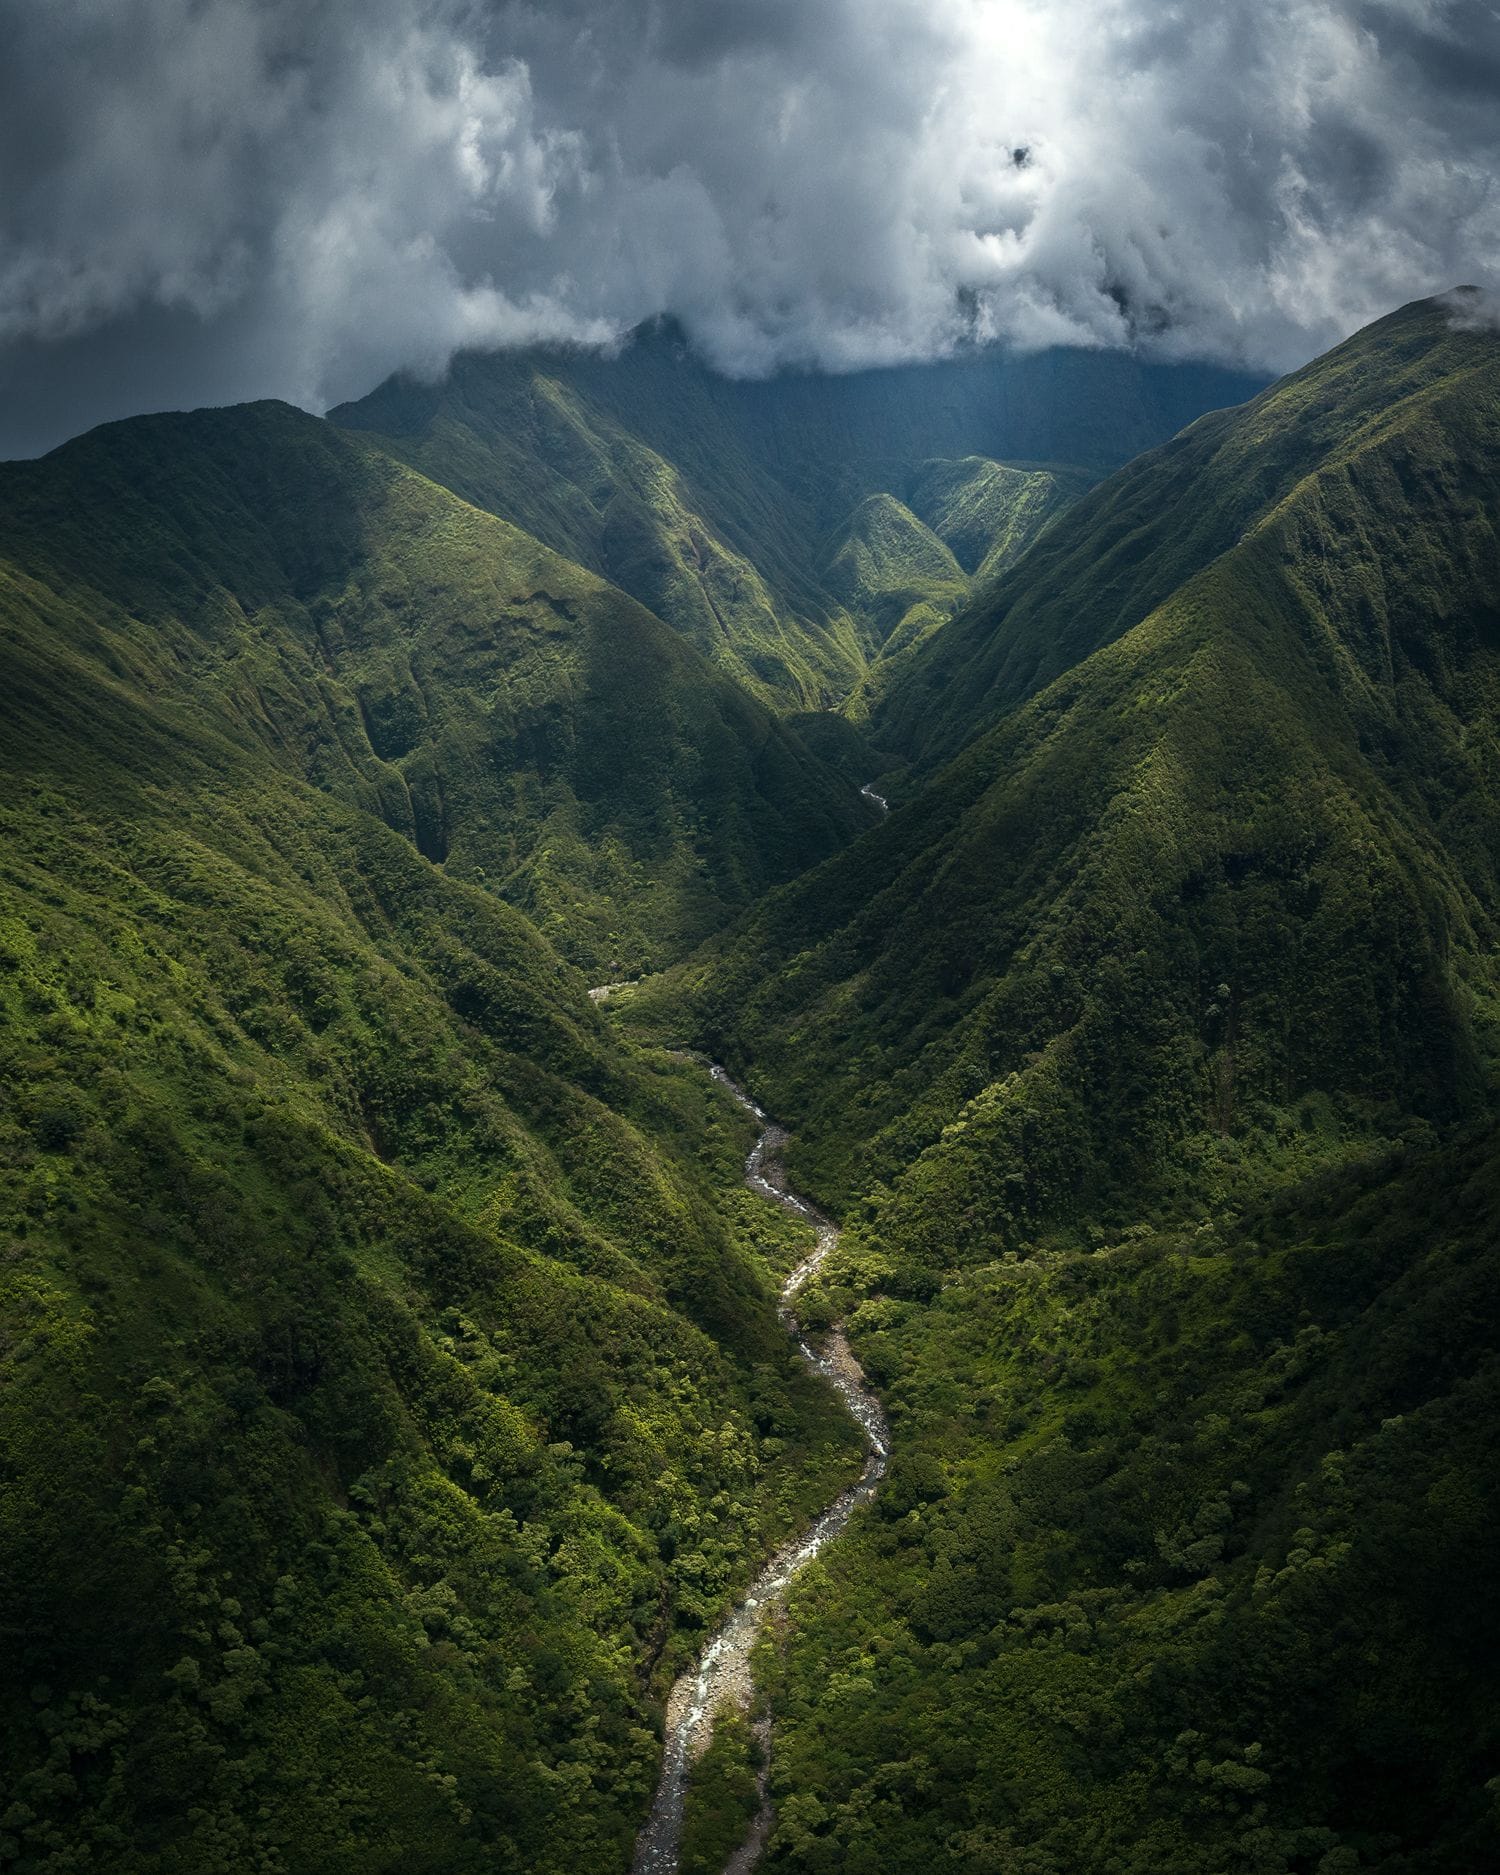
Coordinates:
[391,1391]
[511,713]
[1119,553]
[620,460]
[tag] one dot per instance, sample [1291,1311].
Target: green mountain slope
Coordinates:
[710,500]
[883,562]
[1182,1561]
[1281,781]
[1138,537]
[987,512]
[907,576]
[528,444]
[526,725]
[390,1387]
[1150,1055]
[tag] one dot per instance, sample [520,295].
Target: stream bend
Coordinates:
[722,1674]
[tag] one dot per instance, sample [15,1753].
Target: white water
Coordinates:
[868,791]
[606,990]
[722,1675]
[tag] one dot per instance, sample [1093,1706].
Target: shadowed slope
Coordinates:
[710,499]
[390,1386]
[522,722]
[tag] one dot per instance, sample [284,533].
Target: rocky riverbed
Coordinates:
[722,1674]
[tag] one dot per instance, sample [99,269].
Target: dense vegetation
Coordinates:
[723,1795]
[1390,402]
[390,1386]
[526,725]
[390,1389]
[1179,1564]
[724,506]
[1150,1053]
[1242,856]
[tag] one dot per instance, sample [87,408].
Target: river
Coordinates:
[722,1674]
[868,791]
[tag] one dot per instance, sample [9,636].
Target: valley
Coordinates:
[720,1681]
[437,1433]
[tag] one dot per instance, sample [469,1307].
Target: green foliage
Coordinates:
[1180,1563]
[723,1795]
[293,590]
[712,501]
[883,561]
[390,1387]
[525,439]
[1386,422]
[902,576]
[1240,858]
[989,512]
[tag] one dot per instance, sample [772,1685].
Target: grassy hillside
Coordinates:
[711,500]
[988,512]
[884,563]
[526,443]
[525,725]
[390,1389]
[908,569]
[1241,857]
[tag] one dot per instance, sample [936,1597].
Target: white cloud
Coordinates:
[1472,309]
[323,192]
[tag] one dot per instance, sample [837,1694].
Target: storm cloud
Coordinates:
[204,200]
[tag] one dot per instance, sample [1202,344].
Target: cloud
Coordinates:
[208,199]
[1472,309]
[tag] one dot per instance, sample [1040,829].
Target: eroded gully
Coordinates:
[721,1677]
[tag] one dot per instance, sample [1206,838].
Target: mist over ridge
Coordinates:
[207,203]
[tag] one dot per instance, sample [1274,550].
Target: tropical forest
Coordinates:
[749,938]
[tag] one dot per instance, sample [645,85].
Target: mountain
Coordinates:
[987,512]
[711,499]
[390,1384]
[391,1389]
[908,575]
[886,565]
[1142,535]
[1280,781]
[1182,1561]
[1149,1054]
[526,725]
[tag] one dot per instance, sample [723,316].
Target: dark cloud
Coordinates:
[1452,49]
[202,200]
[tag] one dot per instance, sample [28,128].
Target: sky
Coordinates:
[203,201]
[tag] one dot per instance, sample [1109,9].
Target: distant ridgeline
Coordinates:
[741,511]
[391,1394]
